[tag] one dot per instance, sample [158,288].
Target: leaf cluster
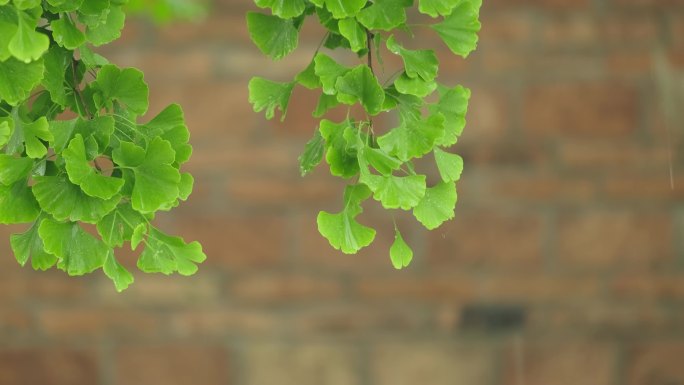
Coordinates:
[379,164]
[75,163]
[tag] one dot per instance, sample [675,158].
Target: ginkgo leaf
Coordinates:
[79,253]
[13,169]
[8,27]
[417,63]
[400,252]
[342,159]
[384,14]
[29,245]
[118,226]
[354,32]
[328,71]
[344,8]
[165,254]
[308,78]
[268,95]
[459,29]
[450,166]
[81,173]
[285,9]
[170,125]
[126,86]
[34,134]
[121,277]
[27,44]
[109,30]
[360,85]
[453,104]
[66,34]
[313,153]
[414,86]
[138,235]
[383,162]
[395,192]
[56,61]
[342,230]
[17,204]
[437,206]
[413,139]
[325,104]
[156,180]
[274,36]
[6,128]
[66,201]
[17,79]
[436,8]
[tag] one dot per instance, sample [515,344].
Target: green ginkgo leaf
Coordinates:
[8,27]
[27,44]
[79,253]
[459,29]
[414,86]
[437,206]
[29,245]
[66,201]
[450,166]
[328,71]
[118,226]
[109,30]
[34,135]
[360,85]
[268,95]
[413,139]
[308,78]
[66,34]
[395,192]
[453,104]
[126,86]
[121,277]
[6,128]
[417,63]
[156,180]
[17,79]
[354,32]
[57,61]
[274,36]
[384,14]
[341,158]
[313,153]
[285,9]
[342,230]
[17,203]
[83,174]
[400,252]
[165,254]
[343,8]
[13,169]
[170,125]
[436,8]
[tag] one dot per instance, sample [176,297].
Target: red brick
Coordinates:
[581,109]
[215,323]
[163,290]
[650,189]
[615,157]
[180,364]
[277,288]
[432,363]
[37,366]
[167,66]
[67,323]
[543,188]
[559,362]
[648,287]
[506,28]
[453,288]
[238,241]
[549,4]
[606,239]
[585,30]
[300,363]
[656,363]
[489,239]
[526,287]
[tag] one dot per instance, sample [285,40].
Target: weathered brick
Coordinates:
[178,364]
[301,363]
[655,363]
[432,363]
[607,239]
[648,287]
[53,366]
[452,288]
[487,238]
[278,288]
[92,323]
[559,362]
[581,109]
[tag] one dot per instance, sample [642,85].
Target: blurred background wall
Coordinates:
[564,265]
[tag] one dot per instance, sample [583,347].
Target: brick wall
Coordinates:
[564,265]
